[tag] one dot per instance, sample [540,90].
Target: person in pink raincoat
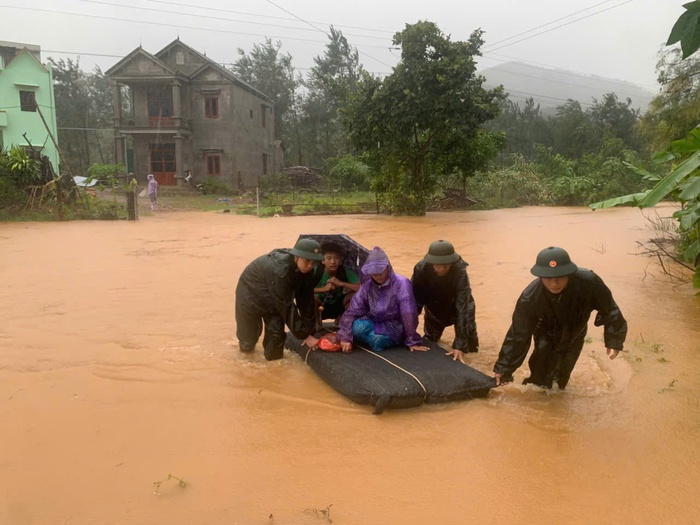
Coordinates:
[152,191]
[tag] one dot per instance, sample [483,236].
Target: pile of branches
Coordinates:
[303,177]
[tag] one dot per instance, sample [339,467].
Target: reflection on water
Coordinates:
[118,366]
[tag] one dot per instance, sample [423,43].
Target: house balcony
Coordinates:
[144,125]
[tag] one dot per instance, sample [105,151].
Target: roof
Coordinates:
[140,51]
[208,64]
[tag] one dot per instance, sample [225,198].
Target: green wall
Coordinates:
[25,73]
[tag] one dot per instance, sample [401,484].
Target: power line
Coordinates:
[322,31]
[161,24]
[562,25]
[550,23]
[99,2]
[265,16]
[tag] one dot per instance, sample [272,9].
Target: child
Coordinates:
[335,284]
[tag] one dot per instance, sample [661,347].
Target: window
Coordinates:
[180,58]
[27,101]
[264,164]
[263,112]
[211,107]
[251,113]
[213,165]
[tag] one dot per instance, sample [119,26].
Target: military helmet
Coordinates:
[307,249]
[441,252]
[553,262]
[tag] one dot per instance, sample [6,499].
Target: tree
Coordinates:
[271,72]
[524,128]
[83,106]
[682,183]
[574,132]
[673,113]
[329,85]
[616,119]
[410,122]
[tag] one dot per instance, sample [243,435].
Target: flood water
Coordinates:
[118,366]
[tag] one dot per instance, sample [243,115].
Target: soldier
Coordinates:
[277,289]
[441,287]
[555,309]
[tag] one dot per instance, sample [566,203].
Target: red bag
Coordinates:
[329,343]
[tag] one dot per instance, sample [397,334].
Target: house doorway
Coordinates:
[162,162]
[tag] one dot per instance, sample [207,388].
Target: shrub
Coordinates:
[214,186]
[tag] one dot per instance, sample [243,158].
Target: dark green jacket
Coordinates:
[449,299]
[561,319]
[273,284]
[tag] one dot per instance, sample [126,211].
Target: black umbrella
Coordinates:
[353,252]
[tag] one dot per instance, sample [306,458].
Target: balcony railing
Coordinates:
[152,123]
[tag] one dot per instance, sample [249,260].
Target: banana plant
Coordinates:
[681,184]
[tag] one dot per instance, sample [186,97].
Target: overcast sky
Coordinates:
[617,39]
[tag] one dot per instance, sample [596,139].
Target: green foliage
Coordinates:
[517,185]
[350,173]
[525,128]
[11,197]
[417,123]
[83,100]
[329,85]
[673,113]
[687,29]
[109,175]
[214,186]
[22,170]
[682,185]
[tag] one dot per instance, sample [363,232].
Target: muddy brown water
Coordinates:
[118,366]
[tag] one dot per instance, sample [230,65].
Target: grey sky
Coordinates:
[620,42]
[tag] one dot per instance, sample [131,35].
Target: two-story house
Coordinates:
[178,113]
[26,94]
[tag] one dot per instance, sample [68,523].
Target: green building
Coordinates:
[25,84]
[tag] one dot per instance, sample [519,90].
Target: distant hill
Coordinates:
[553,87]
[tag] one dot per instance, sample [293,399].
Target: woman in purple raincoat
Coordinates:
[383,312]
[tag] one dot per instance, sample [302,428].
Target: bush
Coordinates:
[517,185]
[214,186]
[350,173]
[11,197]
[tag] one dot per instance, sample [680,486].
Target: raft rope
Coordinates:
[375,354]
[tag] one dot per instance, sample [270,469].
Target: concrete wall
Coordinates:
[25,73]
[240,139]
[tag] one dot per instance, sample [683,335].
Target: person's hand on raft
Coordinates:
[419,348]
[346,347]
[311,342]
[501,380]
[458,355]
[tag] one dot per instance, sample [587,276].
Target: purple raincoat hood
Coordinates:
[377,261]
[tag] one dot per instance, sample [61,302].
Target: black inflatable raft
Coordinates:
[396,377]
